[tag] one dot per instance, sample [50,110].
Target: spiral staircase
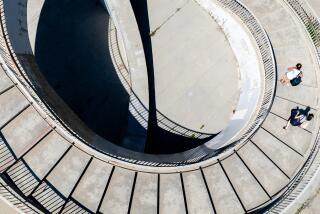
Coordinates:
[46,167]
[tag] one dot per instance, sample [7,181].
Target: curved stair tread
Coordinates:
[268,174]
[118,195]
[70,169]
[290,43]
[224,198]
[12,102]
[171,195]
[46,154]
[25,130]
[245,184]
[282,108]
[144,200]
[282,155]
[197,197]
[91,187]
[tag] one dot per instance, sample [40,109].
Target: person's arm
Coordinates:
[298,115]
[291,68]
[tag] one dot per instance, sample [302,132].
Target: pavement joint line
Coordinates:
[263,188]
[7,89]
[15,116]
[76,184]
[153,32]
[287,120]
[316,109]
[132,191]
[105,190]
[184,194]
[281,141]
[52,168]
[269,159]
[207,188]
[234,190]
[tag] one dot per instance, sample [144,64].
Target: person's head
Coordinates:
[299,66]
[310,117]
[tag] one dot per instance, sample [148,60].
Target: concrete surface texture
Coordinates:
[242,180]
[196,72]
[315,5]
[7,209]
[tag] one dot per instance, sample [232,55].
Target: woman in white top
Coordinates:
[292,73]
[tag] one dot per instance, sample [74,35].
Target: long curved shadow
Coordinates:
[140,9]
[72,53]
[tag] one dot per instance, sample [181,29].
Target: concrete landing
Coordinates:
[196,73]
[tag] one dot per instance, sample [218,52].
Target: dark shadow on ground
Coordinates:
[140,9]
[72,53]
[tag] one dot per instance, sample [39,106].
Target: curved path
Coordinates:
[57,174]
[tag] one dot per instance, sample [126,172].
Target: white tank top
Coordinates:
[293,74]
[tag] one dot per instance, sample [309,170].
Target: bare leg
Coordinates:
[287,125]
[284,80]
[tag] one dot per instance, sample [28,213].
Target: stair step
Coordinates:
[25,130]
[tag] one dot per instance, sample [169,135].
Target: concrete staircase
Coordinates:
[56,174]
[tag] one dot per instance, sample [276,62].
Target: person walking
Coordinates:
[293,75]
[300,118]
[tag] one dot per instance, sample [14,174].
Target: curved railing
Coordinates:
[312,165]
[190,157]
[270,76]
